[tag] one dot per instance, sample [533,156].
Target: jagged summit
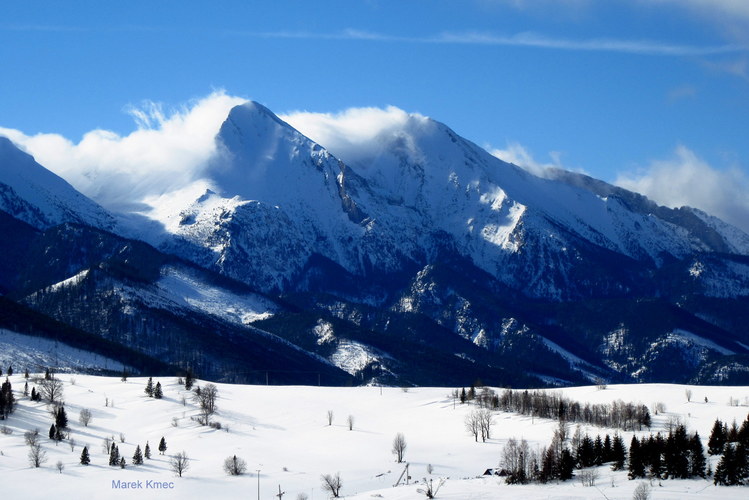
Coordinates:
[258,155]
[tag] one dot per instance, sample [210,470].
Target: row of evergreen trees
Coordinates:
[116,459]
[678,456]
[733,445]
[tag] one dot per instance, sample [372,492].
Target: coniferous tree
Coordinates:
[52,432]
[147,451]
[618,453]
[598,457]
[149,387]
[717,438]
[26,388]
[157,393]
[607,450]
[732,436]
[122,462]
[566,465]
[85,459]
[636,462]
[549,465]
[725,471]
[162,445]
[189,379]
[743,435]
[10,370]
[61,417]
[114,455]
[676,454]
[696,457]
[8,400]
[585,456]
[137,456]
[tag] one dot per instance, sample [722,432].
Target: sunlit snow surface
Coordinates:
[37,354]
[283,432]
[183,288]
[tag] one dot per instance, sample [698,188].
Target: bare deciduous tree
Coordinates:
[642,492]
[350,421]
[37,455]
[332,483]
[330,417]
[588,477]
[688,394]
[51,388]
[84,417]
[486,420]
[399,446]
[473,426]
[180,463]
[235,466]
[60,466]
[206,398]
[31,437]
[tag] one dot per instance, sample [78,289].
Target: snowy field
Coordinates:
[283,432]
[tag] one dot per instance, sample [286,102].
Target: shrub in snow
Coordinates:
[235,466]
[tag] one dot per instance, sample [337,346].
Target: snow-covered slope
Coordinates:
[35,195]
[282,434]
[272,198]
[36,354]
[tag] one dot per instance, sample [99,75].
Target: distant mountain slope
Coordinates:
[40,198]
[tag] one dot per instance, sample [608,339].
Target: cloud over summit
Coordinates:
[168,149]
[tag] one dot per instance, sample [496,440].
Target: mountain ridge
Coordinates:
[423,247]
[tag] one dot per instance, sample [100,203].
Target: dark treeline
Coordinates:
[543,404]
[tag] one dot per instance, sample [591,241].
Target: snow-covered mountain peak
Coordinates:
[39,197]
[258,154]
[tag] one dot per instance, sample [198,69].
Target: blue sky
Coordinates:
[651,94]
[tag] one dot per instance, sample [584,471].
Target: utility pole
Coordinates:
[280,493]
[258,484]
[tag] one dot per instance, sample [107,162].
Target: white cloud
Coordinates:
[687,180]
[352,134]
[517,154]
[167,150]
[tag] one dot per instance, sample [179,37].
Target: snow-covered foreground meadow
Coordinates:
[283,432]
